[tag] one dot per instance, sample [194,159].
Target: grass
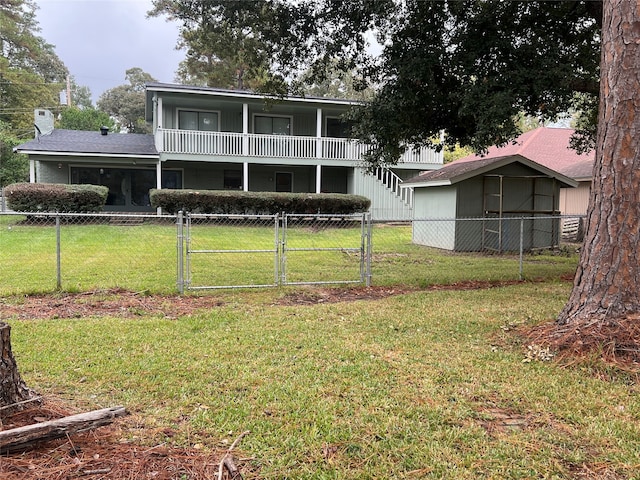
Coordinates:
[411,386]
[143,258]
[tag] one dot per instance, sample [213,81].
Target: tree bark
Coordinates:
[608,276]
[12,388]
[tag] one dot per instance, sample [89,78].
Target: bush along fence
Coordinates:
[43,252]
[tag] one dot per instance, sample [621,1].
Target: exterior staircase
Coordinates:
[389,202]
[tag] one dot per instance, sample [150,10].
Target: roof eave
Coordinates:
[433,183]
[150,156]
[171,88]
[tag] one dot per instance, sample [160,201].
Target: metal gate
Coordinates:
[249,251]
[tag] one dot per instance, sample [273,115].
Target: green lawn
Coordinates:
[421,385]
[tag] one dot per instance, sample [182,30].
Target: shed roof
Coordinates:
[83,143]
[458,171]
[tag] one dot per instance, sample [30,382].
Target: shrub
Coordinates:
[55,197]
[257,203]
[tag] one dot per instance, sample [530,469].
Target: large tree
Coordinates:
[14,167]
[126,102]
[31,74]
[605,286]
[224,43]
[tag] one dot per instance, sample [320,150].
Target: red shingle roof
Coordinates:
[548,147]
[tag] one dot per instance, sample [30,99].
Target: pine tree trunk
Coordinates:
[12,388]
[608,277]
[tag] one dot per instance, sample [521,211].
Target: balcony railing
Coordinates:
[275,146]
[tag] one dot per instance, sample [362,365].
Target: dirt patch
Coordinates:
[112,303]
[316,295]
[123,303]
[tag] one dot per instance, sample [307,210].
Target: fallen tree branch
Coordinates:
[227,459]
[22,438]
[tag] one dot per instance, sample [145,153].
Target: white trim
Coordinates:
[438,183]
[90,154]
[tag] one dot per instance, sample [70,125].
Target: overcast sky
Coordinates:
[98,40]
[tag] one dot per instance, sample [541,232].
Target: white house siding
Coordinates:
[435,203]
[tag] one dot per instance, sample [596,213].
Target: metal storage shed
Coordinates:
[475,204]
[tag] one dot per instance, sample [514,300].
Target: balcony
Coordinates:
[274,146]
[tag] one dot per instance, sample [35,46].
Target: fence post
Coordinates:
[58,260]
[276,258]
[368,250]
[283,249]
[521,245]
[180,251]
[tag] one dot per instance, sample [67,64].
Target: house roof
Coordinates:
[244,94]
[82,143]
[546,146]
[458,171]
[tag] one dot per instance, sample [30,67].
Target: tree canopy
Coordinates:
[223,42]
[466,67]
[31,74]
[87,118]
[126,102]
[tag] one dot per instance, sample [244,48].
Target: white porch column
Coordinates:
[245,176]
[318,178]
[32,171]
[245,130]
[159,114]
[159,175]
[159,182]
[319,133]
[157,121]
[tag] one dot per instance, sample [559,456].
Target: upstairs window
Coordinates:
[270,125]
[196,120]
[338,128]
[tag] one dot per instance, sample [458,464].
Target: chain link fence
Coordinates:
[238,251]
[150,253]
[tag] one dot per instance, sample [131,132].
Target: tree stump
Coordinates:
[13,390]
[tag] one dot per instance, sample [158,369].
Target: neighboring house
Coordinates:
[550,147]
[207,138]
[482,204]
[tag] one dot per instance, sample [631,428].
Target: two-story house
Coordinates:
[208,138]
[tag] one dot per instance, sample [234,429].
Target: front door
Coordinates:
[284,182]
